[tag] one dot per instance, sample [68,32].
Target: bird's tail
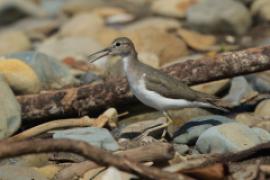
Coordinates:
[219,108]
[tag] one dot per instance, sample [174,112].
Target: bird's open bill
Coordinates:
[98,55]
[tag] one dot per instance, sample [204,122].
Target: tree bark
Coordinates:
[225,65]
[100,95]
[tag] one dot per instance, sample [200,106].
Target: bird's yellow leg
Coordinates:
[162,126]
[168,117]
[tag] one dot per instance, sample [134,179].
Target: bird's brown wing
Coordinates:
[169,87]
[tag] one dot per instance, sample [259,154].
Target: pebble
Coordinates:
[80,6]
[161,23]
[120,19]
[247,2]
[107,35]
[249,119]
[89,77]
[82,24]
[75,47]
[172,8]
[98,137]
[14,10]
[10,110]
[230,137]
[107,11]
[196,40]
[218,18]
[190,131]
[150,59]
[108,174]
[166,46]
[31,160]
[262,134]
[262,109]
[213,87]
[13,41]
[261,9]
[239,90]
[9,172]
[51,73]
[20,76]
[182,149]
[36,26]
[260,81]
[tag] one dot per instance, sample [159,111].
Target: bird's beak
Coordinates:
[97,55]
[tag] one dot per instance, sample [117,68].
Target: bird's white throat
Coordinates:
[126,61]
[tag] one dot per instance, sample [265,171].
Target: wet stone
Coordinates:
[51,73]
[230,137]
[10,111]
[239,90]
[190,131]
[218,18]
[98,137]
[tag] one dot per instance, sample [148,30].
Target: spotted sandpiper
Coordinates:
[153,87]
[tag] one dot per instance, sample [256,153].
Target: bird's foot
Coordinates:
[153,129]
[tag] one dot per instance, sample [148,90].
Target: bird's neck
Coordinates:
[129,62]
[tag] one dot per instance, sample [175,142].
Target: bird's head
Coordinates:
[121,46]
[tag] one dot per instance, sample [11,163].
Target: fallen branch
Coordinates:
[90,152]
[261,150]
[100,95]
[151,152]
[107,116]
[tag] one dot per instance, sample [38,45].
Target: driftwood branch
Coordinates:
[89,98]
[150,152]
[107,116]
[97,155]
[261,150]
[225,65]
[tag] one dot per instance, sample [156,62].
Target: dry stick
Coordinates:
[150,152]
[97,155]
[107,116]
[256,151]
[101,95]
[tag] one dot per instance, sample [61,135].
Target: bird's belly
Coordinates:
[157,101]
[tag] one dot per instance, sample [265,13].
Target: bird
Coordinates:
[153,87]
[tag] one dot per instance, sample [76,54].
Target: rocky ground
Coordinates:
[45,77]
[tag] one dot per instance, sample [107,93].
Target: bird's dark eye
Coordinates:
[117,44]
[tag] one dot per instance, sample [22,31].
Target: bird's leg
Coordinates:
[162,126]
[169,121]
[167,115]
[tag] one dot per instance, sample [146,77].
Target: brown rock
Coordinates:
[160,23]
[263,109]
[108,11]
[19,76]
[83,24]
[13,41]
[212,87]
[166,46]
[197,40]
[174,8]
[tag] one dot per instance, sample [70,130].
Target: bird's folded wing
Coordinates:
[169,87]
